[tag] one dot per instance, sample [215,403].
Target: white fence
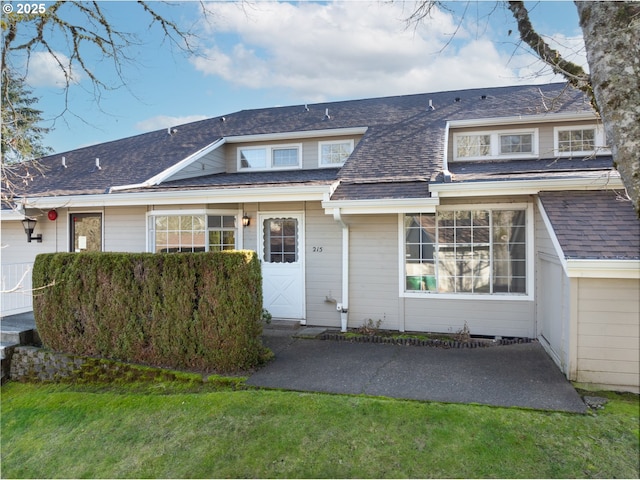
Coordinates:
[16,288]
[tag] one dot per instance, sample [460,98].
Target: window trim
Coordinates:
[269,149]
[321,143]
[494,144]
[600,146]
[499,296]
[150,243]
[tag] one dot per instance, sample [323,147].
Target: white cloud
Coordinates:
[164,121]
[50,70]
[348,49]
[344,49]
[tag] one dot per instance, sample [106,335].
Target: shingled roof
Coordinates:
[593,225]
[533,169]
[403,142]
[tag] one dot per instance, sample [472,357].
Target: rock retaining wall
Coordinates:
[37,364]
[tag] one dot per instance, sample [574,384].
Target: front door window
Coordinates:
[281,240]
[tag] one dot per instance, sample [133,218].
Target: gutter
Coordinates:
[607,180]
[196,196]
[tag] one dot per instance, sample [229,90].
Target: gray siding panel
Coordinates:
[125,229]
[483,317]
[608,332]
[374,270]
[323,258]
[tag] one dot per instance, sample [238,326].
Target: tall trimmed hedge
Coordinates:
[196,310]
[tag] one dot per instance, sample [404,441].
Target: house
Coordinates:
[497,208]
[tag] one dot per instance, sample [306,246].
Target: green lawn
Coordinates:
[86,431]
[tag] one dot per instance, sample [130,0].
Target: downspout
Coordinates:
[343,307]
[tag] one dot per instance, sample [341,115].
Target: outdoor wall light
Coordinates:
[29,224]
[246,221]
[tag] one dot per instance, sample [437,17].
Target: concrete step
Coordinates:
[279,324]
[6,349]
[15,330]
[21,337]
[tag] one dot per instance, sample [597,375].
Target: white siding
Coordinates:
[125,229]
[212,162]
[17,257]
[609,332]
[553,296]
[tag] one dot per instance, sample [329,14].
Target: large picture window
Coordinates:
[172,233]
[466,251]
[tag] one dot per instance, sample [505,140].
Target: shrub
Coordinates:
[197,311]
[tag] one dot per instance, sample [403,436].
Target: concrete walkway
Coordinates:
[520,375]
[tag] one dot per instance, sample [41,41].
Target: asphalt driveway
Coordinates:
[520,375]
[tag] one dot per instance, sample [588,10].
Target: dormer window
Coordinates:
[495,144]
[276,157]
[334,153]
[578,140]
[518,143]
[473,146]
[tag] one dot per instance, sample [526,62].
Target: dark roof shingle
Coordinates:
[594,224]
[404,136]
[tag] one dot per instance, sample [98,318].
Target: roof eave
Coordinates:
[281,193]
[520,119]
[382,206]
[603,268]
[482,188]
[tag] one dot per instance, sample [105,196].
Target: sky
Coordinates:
[258,54]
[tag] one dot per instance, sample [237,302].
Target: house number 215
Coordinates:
[317,249]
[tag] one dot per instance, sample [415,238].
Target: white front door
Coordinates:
[281,247]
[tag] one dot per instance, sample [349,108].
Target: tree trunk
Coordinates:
[612,38]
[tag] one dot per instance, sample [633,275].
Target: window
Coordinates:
[171,233]
[178,233]
[86,232]
[334,153]
[280,240]
[285,157]
[466,251]
[222,232]
[520,143]
[578,140]
[486,145]
[269,157]
[253,158]
[473,146]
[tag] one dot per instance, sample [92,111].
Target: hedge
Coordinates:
[197,311]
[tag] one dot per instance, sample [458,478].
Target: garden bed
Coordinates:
[421,340]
